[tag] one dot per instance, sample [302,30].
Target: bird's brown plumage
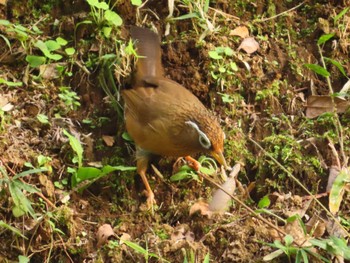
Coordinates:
[157,110]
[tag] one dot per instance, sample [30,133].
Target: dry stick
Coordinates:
[300,184]
[280,14]
[255,214]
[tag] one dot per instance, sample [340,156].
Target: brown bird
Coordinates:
[163,117]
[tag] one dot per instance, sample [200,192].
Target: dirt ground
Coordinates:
[273,108]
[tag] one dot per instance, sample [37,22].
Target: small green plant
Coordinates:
[69,98]
[198,12]
[143,251]
[43,162]
[22,205]
[190,257]
[104,17]
[222,68]
[90,174]
[208,167]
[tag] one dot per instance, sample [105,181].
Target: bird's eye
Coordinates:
[203,138]
[204,141]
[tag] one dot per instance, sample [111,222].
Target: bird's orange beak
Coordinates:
[220,158]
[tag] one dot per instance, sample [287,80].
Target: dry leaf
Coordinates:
[3,2]
[109,140]
[182,232]
[49,71]
[319,104]
[48,187]
[221,201]
[7,107]
[103,233]
[241,31]
[124,237]
[249,45]
[201,207]
[316,226]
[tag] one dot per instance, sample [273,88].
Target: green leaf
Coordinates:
[214,55]
[114,18]
[187,16]
[11,228]
[107,31]
[42,118]
[136,2]
[70,51]
[318,69]
[4,22]
[341,14]
[338,189]
[273,255]
[338,65]
[179,176]
[24,186]
[127,137]
[10,83]
[206,6]
[324,38]
[264,202]
[52,45]
[76,146]
[32,171]
[35,61]
[42,46]
[206,258]
[97,4]
[7,42]
[86,173]
[233,66]
[22,204]
[17,211]
[61,41]
[108,169]
[288,239]
[139,249]
[228,51]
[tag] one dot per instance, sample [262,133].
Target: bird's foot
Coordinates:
[150,201]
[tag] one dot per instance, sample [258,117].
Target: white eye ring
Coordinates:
[203,138]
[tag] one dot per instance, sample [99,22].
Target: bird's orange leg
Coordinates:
[193,163]
[142,164]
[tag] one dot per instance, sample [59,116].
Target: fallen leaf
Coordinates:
[109,140]
[103,233]
[47,184]
[50,71]
[249,45]
[319,104]
[221,200]
[124,237]
[7,107]
[201,207]
[241,31]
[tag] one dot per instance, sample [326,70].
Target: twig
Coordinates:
[300,184]
[280,14]
[251,211]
